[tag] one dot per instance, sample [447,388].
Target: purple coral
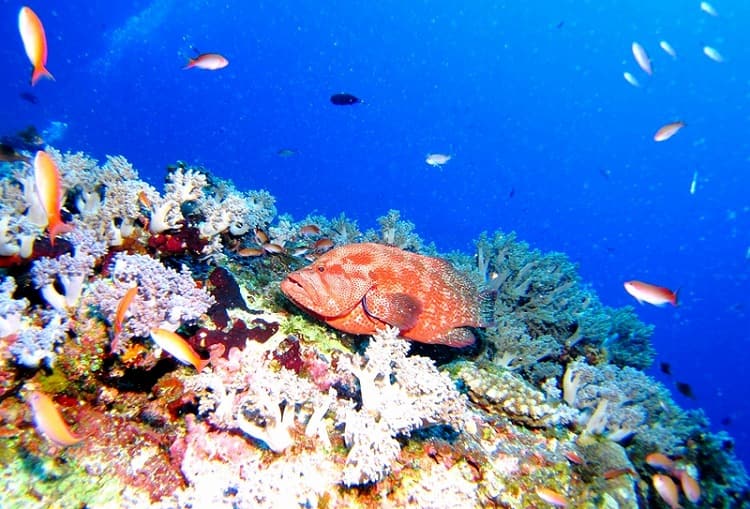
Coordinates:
[166,298]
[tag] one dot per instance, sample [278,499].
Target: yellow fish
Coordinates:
[175,345]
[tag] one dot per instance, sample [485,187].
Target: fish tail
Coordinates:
[202,363]
[40,72]
[675,300]
[58,228]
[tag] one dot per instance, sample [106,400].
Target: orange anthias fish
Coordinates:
[122,308]
[667,131]
[690,486]
[361,288]
[207,61]
[667,490]
[652,294]
[659,460]
[552,497]
[34,42]
[175,345]
[49,421]
[49,190]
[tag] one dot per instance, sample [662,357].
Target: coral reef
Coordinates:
[552,402]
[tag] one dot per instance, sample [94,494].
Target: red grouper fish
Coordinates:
[360,288]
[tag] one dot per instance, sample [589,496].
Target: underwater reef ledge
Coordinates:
[148,358]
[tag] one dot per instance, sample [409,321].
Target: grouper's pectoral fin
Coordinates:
[399,310]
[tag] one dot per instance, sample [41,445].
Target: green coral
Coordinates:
[629,339]
[540,297]
[325,340]
[395,231]
[32,481]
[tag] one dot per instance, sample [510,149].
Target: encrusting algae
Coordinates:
[150,357]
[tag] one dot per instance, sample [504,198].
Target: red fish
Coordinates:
[361,288]
[208,61]
[655,295]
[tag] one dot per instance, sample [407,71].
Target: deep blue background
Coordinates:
[528,98]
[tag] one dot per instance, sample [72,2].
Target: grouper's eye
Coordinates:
[321,268]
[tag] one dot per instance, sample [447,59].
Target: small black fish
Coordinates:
[29,97]
[345,99]
[512,193]
[665,368]
[726,421]
[560,25]
[685,389]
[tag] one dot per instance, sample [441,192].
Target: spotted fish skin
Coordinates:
[361,288]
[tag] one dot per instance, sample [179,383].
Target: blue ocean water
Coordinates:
[546,137]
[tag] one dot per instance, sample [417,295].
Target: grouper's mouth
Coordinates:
[303,295]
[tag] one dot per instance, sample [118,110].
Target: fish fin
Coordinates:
[39,73]
[676,300]
[190,64]
[58,229]
[202,363]
[456,337]
[400,310]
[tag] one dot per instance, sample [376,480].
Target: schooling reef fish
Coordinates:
[360,288]
[34,42]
